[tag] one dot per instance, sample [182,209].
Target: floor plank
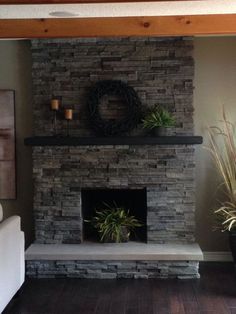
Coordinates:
[214,293]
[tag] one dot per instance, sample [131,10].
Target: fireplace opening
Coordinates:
[134,200]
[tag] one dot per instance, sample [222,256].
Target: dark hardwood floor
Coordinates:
[214,293]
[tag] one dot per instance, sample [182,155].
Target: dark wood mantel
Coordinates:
[135,140]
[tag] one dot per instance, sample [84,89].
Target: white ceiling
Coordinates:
[118,9]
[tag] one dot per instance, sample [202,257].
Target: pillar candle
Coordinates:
[55,104]
[68,114]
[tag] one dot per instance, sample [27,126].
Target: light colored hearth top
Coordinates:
[115,251]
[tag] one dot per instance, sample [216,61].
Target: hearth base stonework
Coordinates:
[161,72]
[112,269]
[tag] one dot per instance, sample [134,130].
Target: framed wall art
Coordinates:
[7,145]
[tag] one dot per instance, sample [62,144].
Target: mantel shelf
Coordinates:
[135,140]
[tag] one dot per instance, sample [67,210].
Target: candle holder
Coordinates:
[68,117]
[67,127]
[54,122]
[54,108]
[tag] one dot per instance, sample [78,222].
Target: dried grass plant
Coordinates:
[223,150]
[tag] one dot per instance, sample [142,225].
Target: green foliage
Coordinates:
[226,216]
[158,117]
[112,221]
[223,150]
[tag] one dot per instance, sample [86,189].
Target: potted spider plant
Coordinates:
[114,223]
[227,217]
[223,150]
[160,121]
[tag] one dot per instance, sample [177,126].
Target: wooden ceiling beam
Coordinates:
[80,1]
[119,26]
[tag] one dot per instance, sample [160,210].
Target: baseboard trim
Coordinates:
[217,256]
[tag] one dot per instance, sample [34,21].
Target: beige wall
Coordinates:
[15,73]
[215,83]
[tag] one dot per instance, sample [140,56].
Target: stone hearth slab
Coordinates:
[132,251]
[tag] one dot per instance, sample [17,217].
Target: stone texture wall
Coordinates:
[166,171]
[161,71]
[113,269]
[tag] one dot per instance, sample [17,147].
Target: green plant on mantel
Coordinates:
[114,223]
[158,117]
[223,150]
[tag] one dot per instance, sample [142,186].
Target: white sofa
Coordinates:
[12,264]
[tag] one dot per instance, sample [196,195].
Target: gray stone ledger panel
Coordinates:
[167,173]
[113,269]
[161,71]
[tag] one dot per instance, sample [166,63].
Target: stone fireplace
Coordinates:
[62,173]
[156,181]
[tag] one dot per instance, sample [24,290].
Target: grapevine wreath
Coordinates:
[128,96]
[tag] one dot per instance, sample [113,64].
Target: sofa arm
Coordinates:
[12,266]
[10,224]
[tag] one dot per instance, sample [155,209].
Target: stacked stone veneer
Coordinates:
[113,269]
[161,71]
[61,172]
